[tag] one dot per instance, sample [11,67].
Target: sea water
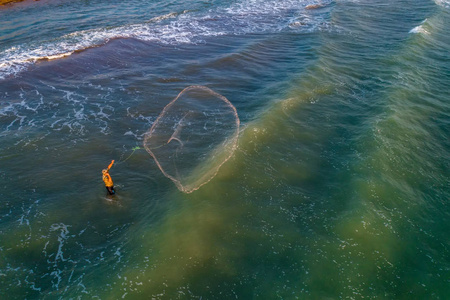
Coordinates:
[338,188]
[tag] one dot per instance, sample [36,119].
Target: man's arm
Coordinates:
[111,164]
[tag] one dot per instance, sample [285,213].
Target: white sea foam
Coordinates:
[443,3]
[421,28]
[76,113]
[244,17]
[63,236]
[57,56]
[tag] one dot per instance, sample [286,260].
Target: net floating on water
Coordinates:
[195,134]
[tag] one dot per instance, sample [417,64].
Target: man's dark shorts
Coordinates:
[110,190]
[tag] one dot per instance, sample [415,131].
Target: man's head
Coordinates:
[104,171]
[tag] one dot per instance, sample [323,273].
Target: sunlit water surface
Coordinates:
[338,188]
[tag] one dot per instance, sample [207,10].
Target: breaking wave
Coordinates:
[245,17]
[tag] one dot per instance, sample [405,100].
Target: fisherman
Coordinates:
[108,180]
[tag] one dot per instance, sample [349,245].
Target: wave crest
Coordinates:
[246,17]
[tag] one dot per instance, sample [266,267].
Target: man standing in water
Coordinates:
[108,180]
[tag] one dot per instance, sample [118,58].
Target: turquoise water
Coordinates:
[338,188]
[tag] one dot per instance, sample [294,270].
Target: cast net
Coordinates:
[195,134]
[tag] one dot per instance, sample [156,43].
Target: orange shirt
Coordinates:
[108,180]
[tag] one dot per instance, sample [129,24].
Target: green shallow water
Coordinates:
[338,188]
